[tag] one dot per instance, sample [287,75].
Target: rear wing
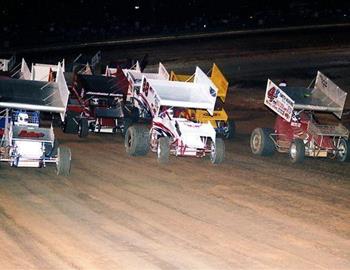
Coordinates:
[201,94]
[135,75]
[326,96]
[162,72]
[181,77]
[331,95]
[84,70]
[96,59]
[7,64]
[25,71]
[220,81]
[41,72]
[102,86]
[63,90]
[110,72]
[216,77]
[208,89]
[35,95]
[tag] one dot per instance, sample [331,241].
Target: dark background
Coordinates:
[40,23]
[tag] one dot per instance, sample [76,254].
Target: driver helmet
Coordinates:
[283,83]
[94,101]
[22,118]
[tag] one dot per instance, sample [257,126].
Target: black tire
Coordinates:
[70,124]
[217,154]
[63,162]
[297,151]
[127,123]
[51,150]
[343,150]
[163,150]
[230,129]
[260,142]
[83,130]
[136,140]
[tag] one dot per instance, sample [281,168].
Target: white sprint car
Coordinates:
[171,131]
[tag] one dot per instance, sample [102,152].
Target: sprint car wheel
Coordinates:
[163,150]
[217,154]
[297,151]
[51,150]
[63,162]
[83,128]
[260,142]
[136,140]
[127,122]
[230,129]
[343,150]
[70,125]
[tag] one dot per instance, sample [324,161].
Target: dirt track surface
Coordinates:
[120,212]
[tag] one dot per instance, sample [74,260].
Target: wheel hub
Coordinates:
[129,140]
[293,150]
[158,150]
[341,150]
[213,151]
[256,142]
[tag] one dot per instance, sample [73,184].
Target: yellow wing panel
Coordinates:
[173,76]
[220,82]
[180,77]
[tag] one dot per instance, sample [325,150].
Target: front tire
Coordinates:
[163,150]
[63,163]
[343,150]
[136,140]
[297,151]
[260,142]
[217,154]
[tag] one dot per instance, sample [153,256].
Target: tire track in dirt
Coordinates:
[133,184]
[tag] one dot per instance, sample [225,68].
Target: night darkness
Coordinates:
[33,23]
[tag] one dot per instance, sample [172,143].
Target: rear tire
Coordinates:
[163,150]
[136,140]
[83,128]
[230,130]
[51,150]
[260,142]
[217,154]
[70,125]
[344,147]
[63,163]
[297,151]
